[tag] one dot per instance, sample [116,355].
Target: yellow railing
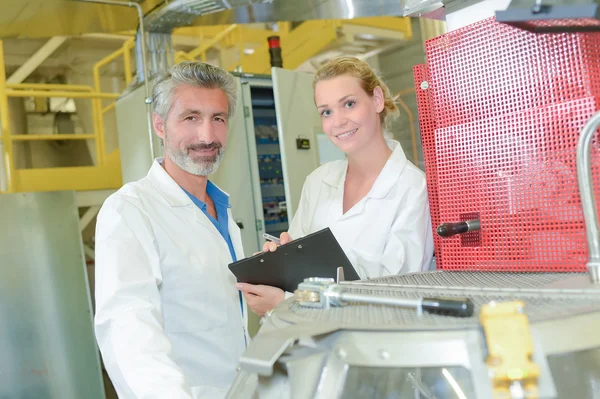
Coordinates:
[201,50]
[98,109]
[105,174]
[5,126]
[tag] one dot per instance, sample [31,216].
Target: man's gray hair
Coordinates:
[198,74]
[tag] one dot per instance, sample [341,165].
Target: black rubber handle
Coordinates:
[452,229]
[457,307]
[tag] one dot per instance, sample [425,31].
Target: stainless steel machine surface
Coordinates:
[376,351]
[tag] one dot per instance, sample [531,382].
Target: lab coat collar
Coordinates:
[176,197]
[167,187]
[388,176]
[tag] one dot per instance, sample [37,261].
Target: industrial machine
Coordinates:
[528,338]
[509,124]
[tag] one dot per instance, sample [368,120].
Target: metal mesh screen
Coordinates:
[471,279]
[500,123]
[489,69]
[540,304]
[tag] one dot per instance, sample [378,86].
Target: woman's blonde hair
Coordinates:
[368,80]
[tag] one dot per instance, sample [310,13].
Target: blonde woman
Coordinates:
[375,202]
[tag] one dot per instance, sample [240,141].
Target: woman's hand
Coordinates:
[270,246]
[261,298]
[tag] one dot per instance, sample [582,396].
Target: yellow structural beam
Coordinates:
[212,42]
[284,28]
[181,56]
[127,47]
[299,45]
[108,108]
[46,86]
[5,126]
[197,31]
[32,137]
[308,40]
[78,178]
[258,36]
[250,33]
[61,94]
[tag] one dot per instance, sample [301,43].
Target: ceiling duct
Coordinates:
[185,12]
[223,12]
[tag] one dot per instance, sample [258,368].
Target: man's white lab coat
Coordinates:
[387,232]
[168,318]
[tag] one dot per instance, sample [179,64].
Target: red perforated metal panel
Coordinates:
[427,125]
[518,172]
[489,69]
[591,58]
[500,123]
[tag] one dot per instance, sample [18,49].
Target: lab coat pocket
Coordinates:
[194,296]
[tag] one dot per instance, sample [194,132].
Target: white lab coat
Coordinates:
[168,319]
[387,232]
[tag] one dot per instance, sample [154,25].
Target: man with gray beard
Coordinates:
[169,321]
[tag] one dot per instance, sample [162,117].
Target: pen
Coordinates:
[271,238]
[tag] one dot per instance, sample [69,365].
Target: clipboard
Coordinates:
[315,255]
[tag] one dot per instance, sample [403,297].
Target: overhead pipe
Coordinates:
[145,78]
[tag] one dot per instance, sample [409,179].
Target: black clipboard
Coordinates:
[315,255]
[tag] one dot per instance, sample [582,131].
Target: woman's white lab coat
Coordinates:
[168,318]
[387,232]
